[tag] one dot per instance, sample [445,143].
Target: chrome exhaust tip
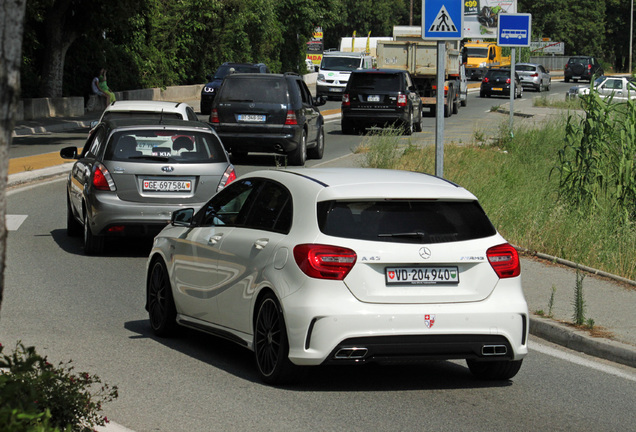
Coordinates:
[352,353]
[494,350]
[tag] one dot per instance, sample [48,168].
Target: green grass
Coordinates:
[514,180]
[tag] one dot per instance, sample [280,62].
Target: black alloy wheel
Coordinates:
[299,155]
[271,347]
[160,303]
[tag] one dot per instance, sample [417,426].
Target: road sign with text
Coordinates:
[442,19]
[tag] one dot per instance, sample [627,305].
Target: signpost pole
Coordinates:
[513,90]
[439,110]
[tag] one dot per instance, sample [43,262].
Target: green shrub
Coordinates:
[36,396]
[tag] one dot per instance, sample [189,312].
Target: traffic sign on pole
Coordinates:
[514,30]
[442,19]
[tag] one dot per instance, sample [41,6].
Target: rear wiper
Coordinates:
[151,157]
[417,234]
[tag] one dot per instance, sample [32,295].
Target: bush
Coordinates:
[36,396]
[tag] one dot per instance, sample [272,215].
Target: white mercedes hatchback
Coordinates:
[342,266]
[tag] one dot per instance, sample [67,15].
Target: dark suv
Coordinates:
[269,113]
[381,97]
[582,68]
[210,89]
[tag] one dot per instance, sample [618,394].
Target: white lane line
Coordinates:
[572,358]
[14,221]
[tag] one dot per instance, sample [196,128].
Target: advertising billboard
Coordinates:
[315,47]
[481,17]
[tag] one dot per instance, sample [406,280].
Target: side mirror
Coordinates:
[182,217]
[320,100]
[68,153]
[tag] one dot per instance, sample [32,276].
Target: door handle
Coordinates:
[215,239]
[261,243]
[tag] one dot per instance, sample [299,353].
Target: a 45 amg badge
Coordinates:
[429,320]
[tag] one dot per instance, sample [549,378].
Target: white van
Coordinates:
[335,68]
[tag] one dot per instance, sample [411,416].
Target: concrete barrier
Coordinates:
[29,109]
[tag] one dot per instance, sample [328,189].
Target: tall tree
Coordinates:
[11,28]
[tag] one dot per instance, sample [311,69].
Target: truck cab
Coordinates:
[335,68]
[482,56]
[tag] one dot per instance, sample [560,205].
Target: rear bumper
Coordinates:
[368,118]
[281,142]
[328,325]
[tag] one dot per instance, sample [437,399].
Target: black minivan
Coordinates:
[381,97]
[269,113]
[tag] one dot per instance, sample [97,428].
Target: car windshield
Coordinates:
[404,221]
[269,90]
[224,70]
[477,52]
[340,63]
[375,81]
[114,115]
[152,146]
[526,68]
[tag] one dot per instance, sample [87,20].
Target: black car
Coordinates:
[210,89]
[271,113]
[582,68]
[381,97]
[496,82]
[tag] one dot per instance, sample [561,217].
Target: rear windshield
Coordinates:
[375,81]
[114,115]
[153,146]
[526,68]
[254,90]
[584,60]
[341,63]
[405,221]
[498,74]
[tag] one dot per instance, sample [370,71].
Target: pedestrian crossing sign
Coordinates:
[442,19]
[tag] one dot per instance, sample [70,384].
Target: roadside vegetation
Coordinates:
[565,189]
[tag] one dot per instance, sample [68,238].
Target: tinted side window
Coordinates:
[405,221]
[92,145]
[304,92]
[228,207]
[271,210]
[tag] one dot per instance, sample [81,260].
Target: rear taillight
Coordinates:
[508,81]
[534,75]
[345,100]
[214,116]
[290,119]
[228,177]
[589,67]
[324,261]
[401,100]
[485,79]
[504,260]
[102,179]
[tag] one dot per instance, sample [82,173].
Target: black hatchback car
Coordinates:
[211,88]
[582,68]
[271,113]
[496,82]
[381,97]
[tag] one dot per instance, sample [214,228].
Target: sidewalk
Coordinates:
[609,301]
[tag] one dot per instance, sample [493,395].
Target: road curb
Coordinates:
[579,340]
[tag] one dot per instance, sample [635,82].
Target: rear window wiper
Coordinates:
[416,234]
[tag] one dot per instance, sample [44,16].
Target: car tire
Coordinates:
[482,94]
[408,127]
[93,245]
[162,312]
[318,150]
[465,101]
[271,346]
[567,80]
[499,370]
[298,156]
[548,87]
[73,227]
[455,106]
[347,127]
[419,125]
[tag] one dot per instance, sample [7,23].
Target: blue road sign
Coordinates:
[514,30]
[442,19]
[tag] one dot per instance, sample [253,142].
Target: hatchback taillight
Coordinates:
[290,119]
[228,177]
[345,100]
[401,101]
[214,116]
[485,79]
[504,260]
[323,261]
[102,179]
[534,75]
